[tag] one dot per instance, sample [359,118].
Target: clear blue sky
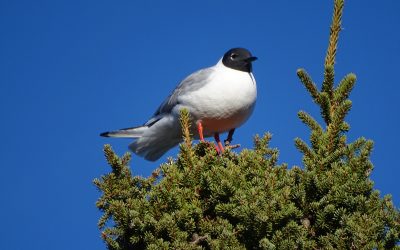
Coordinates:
[72,69]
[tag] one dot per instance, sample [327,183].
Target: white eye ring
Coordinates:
[234,55]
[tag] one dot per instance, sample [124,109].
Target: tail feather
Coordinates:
[153,139]
[134,132]
[158,139]
[152,148]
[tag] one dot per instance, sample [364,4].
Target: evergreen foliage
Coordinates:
[245,200]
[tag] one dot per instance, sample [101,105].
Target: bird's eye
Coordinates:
[233,56]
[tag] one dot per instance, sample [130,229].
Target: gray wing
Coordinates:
[191,83]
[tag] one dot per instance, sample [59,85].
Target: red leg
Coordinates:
[220,147]
[200,129]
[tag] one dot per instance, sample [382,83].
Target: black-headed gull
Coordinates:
[219,99]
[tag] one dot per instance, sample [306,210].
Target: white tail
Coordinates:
[158,139]
[152,148]
[153,139]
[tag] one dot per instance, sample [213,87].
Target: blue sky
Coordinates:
[72,69]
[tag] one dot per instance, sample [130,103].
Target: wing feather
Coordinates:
[191,83]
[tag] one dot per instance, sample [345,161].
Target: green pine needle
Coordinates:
[308,83]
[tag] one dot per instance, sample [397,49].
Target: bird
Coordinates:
[219,99]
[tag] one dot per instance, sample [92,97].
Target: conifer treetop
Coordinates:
[334,33]
[245,200]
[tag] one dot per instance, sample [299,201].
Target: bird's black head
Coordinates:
[239,59]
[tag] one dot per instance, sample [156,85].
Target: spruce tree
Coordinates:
[245,200]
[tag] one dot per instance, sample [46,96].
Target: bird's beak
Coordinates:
[251,59]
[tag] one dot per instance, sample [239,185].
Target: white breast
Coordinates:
[224,103]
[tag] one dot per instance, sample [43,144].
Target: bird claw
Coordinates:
[232,146]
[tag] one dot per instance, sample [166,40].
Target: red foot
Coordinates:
[200,129]
[220,148]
